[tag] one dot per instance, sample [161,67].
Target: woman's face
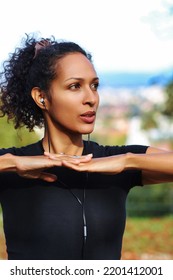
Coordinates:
[74,97]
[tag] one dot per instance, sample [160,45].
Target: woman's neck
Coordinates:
[63,144]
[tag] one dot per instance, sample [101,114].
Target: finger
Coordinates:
[78,159]
[48,177]
[50,156]
[74,166]
[55,156]
[85,158]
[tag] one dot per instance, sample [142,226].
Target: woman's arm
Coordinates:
[33,167]
[156,165]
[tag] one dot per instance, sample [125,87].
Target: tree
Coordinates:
[15,137]
[168,105]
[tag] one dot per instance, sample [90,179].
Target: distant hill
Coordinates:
[135,79]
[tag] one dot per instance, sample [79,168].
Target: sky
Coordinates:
[121,35]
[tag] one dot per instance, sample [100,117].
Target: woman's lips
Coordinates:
[88,117]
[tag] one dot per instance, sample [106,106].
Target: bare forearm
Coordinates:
[156,162]
[33,166]
[7,163]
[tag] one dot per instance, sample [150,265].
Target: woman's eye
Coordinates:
[74,86]
[95,86]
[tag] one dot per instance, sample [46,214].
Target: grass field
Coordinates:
[148,238]
[144,238]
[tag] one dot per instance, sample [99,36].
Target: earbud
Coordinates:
[42,101]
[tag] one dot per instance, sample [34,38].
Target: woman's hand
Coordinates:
[107,165]
[34,166]
[69,158]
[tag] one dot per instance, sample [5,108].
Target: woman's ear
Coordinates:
[39,97]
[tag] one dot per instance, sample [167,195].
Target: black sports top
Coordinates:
[45,220]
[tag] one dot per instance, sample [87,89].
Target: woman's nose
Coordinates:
[91,97]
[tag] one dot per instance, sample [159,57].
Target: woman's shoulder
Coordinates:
[108,150]
[28,150]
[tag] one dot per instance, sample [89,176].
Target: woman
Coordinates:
[50,209]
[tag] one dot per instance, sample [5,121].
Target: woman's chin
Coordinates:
[86,132]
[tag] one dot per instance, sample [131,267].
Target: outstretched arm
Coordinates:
[156,165]
[33,166]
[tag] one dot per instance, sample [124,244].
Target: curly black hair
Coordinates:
[28,68]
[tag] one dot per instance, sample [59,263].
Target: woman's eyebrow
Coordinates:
[80,79]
